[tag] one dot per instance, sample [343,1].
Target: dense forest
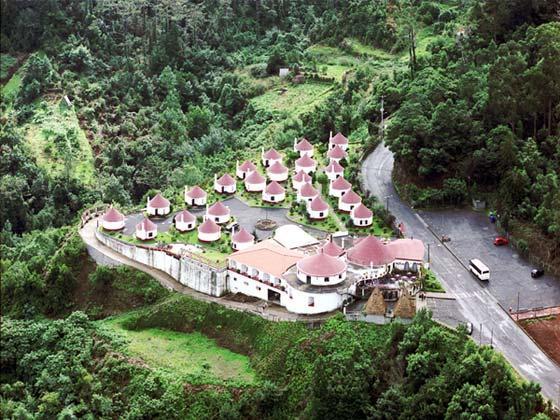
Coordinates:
[111,100]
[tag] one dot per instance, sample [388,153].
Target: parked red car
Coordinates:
[500,240]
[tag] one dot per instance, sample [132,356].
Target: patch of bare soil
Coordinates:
[546,332]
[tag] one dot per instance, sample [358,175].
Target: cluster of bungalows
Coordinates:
[296,271]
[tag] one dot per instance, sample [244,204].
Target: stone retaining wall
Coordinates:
[191,273]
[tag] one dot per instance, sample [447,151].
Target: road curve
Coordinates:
[475,302]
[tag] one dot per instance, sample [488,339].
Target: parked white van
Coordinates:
[479,269]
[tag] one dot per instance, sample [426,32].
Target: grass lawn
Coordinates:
[328,225]
[58,142]
[185,354]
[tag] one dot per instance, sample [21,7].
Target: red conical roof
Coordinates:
[254,178]
[369,251]
[159,202]
[272,154]
[242,236]
[304,145]
[336,153]
[247,166]
[302,176]
[146,225]
[332,249]
[277,168]
[321,265]
[218,209]
[209,226]
[113,215]
[340,184]
[226,180]
[362,212]
[334,167]
[307,190]
[339,139]
[318,204]
[274,188]
[351,198]
[185,216]
[196,192]
[305,162]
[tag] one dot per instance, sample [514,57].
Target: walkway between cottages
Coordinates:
[102,254]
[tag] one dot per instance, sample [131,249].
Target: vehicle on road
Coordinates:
[445,238]
[469,327]
[479,269]
[233,224]
[537,272]
[501,240]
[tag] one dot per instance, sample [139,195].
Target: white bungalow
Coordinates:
[270,157]
[209,231]
[255,182]
[317,209]
[274,193]
[336,153]
[306,164]
[112,219]
[339,139]
[158,206]
[299,179]
[196,196]
[244,169]
[185,221]
[146,229]
[218,213]
[225,184]
[321,270]
[303,147]
[306,193]
[339,187]
[334,170]
[349,201]
[277,172]
[361,216]
[241,239]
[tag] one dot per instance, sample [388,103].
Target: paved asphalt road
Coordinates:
[475,301]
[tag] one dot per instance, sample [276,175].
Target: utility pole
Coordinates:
[428,253]
[492,338]
[480,342]
[382,109]
[517,307]
[387,204]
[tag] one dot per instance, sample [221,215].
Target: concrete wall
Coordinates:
[187,271]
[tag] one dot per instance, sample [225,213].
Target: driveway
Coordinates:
[245,215]
[475,301]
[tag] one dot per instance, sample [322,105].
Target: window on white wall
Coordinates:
[310,301]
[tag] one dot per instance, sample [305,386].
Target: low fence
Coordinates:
[92,213]
[374,319]
[189,272]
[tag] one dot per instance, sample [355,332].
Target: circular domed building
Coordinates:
[112,220]
[321,269]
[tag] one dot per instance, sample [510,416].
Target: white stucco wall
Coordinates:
[112,225]
[158,212]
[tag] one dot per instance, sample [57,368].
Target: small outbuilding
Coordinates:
[196,196]
[306,193]
[146,230]
[303,147]
[332,249]
[244,169]
[339,139]
[317,209]
[334,170]
[336,153]
[185,221]
[274,193]
[270,157]
[339,187]
[306,164]
[277,172]
[299,179]
[112,219]
[218,212]
[209,231]
[361,216]
[158,206]
[255,182]
[349,201]
[241,240]
[225,184]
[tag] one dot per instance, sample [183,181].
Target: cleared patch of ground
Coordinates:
[546,332]
[185,354]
